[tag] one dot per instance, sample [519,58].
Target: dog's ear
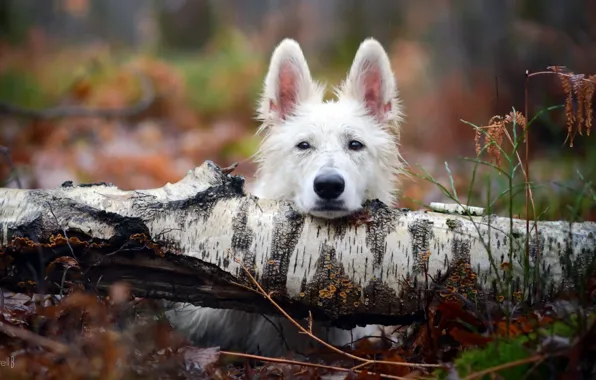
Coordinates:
[287,83]
[371,81]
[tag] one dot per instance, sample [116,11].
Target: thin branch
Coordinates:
[536,73]
[331,347]
[515,363]
[307,364]
[33,338]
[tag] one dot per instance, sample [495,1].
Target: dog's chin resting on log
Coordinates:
[327,158]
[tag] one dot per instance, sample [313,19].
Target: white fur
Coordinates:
[287,173]
[292,110]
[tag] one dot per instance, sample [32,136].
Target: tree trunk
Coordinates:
[186,242]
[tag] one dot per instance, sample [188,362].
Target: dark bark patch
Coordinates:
[377,230]
[421,233]
[331,289]
[242,237]
[287,229]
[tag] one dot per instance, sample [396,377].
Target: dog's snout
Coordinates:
[329,186]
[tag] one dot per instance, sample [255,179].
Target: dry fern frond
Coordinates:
[589,95]
[578,88]
[567,85]
[493,138]
[496,136]
[557,69]
[516,117]
[495,130]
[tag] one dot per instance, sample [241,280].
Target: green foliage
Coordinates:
[243,148]
[498,353]
[505,351]
[21,88]
[224,79]
[28,85]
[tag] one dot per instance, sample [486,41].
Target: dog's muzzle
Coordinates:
[329,186]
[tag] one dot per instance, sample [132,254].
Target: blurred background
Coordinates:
[206,59]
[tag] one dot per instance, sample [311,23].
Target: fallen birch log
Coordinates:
[189,241]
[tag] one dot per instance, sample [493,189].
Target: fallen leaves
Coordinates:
[82,336]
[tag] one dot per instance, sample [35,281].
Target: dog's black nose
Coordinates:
[329,186]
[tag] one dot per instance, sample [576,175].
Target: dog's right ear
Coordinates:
[371,82]
[288,82]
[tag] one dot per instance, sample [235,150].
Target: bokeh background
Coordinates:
[206,59]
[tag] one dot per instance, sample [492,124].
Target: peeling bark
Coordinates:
[182,242]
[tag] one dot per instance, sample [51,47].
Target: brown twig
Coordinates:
[527,167]
[322,342]
[148,97]
[230,169]
[307,364]
[536,73]
[33,338]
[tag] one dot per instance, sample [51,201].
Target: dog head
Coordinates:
[328,157]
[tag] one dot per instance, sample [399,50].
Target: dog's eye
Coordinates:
[355,145]
[303,145]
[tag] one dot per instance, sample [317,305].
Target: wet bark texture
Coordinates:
[185,242]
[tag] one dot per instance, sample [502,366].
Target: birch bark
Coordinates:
[186,242]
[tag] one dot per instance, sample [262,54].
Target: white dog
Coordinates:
[327,157]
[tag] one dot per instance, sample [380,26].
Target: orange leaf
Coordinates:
[467,338]
[393,369]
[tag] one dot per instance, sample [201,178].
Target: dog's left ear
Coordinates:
[371,81]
